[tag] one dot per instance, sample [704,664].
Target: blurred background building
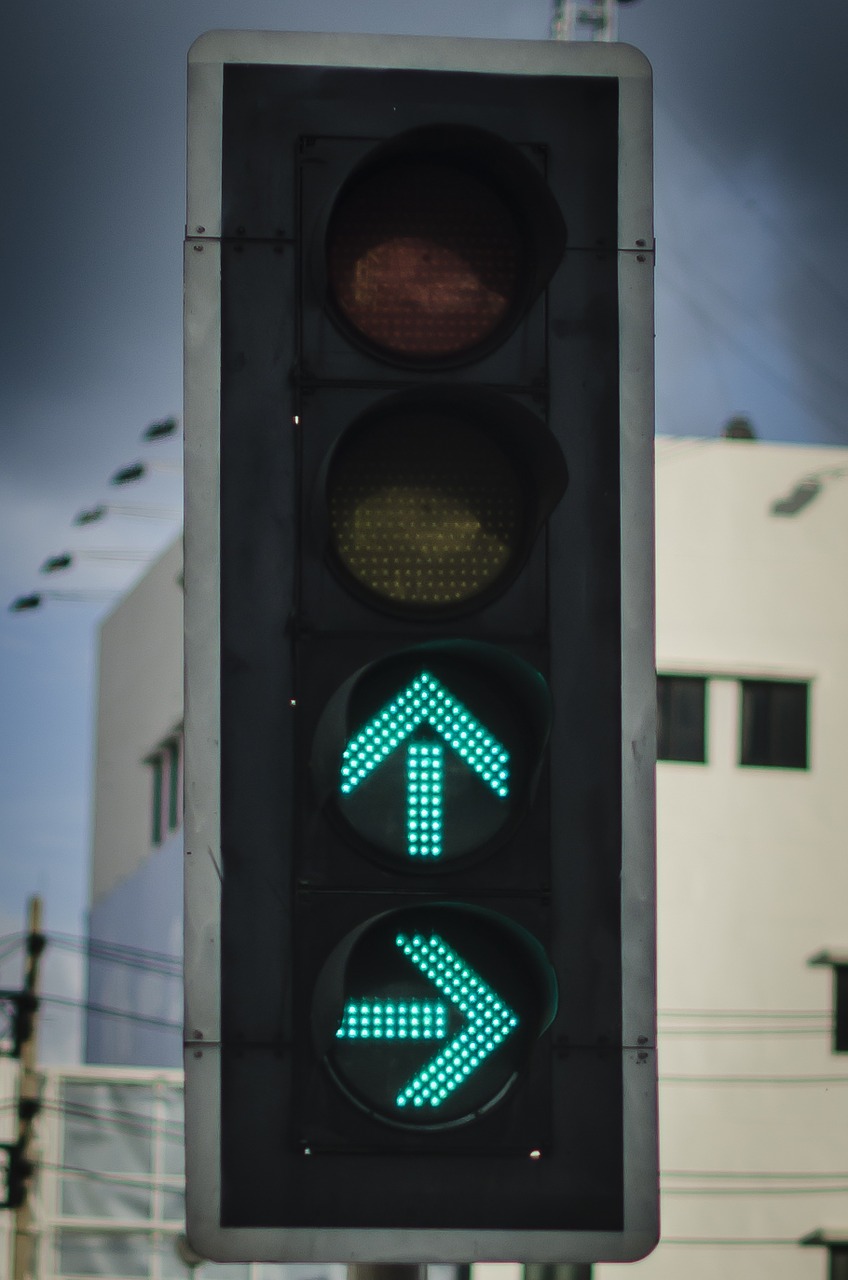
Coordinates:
[109,1199]
[752,637]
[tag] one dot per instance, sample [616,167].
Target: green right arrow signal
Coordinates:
[488,1021]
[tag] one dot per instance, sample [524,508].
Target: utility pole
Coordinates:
[29,1086]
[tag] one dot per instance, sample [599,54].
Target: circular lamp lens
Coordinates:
[426,510]
[426,1016]
[425,261]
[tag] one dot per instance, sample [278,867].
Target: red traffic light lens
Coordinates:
[426,510]
[425,261]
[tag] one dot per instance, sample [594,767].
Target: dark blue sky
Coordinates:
[752,295]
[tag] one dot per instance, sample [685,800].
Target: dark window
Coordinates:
[156,800]
[166,767]
[558,1271]
[172,752]
[774,724]
[681,718]
[840,1009]
[838,1269]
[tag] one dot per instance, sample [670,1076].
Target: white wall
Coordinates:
[140,700]
[753,872]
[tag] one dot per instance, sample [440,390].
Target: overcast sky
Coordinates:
[752,294]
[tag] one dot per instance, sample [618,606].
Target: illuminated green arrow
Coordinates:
[425,701]
[393,1020]
[488,1021]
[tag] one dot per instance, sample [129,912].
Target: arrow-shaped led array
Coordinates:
[425,701]
[424,794]
[488,1021]
[393,1020]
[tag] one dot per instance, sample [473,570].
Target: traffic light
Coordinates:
[419,645]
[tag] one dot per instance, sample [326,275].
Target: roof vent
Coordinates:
[738,428]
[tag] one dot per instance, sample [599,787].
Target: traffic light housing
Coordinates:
[419,645]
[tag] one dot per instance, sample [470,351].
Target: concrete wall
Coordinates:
[753,873]
[132,978]
[140,700]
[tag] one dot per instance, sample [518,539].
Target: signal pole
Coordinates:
[23,1252]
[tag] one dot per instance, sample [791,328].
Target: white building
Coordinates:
[136,867]
[109,1200]
[752,624]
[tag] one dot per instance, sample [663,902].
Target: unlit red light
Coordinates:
[424,260]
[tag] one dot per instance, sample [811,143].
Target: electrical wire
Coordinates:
[733,1242]
[758,1191]
[752,1080]
[809,1180]
[685,263]
[812,1029]
[125,1121]
[107,1011]
[755,360]
[744,1013]
[779,234]
[119,953]
[117,1179]
[763,1175]
[9,943]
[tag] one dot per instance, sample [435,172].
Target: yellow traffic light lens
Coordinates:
[424,260]
[425,509]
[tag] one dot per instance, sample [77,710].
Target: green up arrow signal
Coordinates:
[425,701]
[487,1020]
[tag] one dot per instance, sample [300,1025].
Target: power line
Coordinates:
[778,233]
[123,1120]
[108,1011]
[118,953]
[134,957]
[755,360]
[118,1179]
[755,317]
[755,1175]
[744,1013]
[733,1242]
[811,1029]
[841,1189]
[752,1080]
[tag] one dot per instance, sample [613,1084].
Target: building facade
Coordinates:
[136,896]
[108,1199]
[752,656]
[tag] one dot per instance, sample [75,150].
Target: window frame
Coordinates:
[166,787]
[788,759]
[664,681]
